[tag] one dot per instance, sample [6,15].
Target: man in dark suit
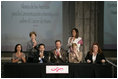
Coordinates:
[41,56]
[58,55]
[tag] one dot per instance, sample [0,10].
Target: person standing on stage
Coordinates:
[32,46]
[74,39]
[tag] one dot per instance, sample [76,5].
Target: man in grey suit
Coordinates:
[58,55]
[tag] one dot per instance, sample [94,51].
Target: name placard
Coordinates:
[57,69]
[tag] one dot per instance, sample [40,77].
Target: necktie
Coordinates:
[57,53]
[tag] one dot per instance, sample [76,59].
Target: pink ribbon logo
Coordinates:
[56,69]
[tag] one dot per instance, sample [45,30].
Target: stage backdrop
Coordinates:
[110,25]
[18,19]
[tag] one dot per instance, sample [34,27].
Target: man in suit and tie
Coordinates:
[58,55]
[41,56]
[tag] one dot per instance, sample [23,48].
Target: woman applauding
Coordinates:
[18,56]
[75,56]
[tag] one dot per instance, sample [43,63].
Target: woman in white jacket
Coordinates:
[74,39]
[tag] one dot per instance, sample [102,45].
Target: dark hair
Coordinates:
[77,32]
[32,33]
[17,46]
[99,49]
[41,45]
[57,41]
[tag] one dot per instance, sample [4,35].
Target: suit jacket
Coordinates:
[30,48]
[36,57]
[31,57]
[55,59]
[99,57]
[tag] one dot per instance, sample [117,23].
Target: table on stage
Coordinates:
[38,70]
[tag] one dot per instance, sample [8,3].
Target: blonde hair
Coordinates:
[74,44]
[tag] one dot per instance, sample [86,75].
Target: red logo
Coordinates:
[56,69]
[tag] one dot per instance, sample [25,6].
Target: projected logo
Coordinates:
[57,69]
